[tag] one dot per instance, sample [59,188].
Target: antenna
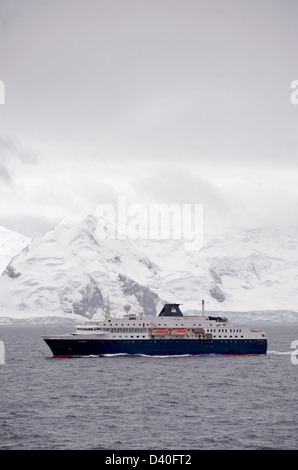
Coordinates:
[107,310]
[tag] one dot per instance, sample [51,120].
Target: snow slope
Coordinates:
[10,244]
[71,271]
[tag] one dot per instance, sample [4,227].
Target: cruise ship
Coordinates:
[168,334]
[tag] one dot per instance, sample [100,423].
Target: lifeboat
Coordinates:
[179,331]
[160,331]
[198,332]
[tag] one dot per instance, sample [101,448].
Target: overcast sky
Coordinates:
[167,101]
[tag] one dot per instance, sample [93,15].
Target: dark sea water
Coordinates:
[162,403]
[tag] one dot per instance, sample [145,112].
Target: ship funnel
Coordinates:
[203,309]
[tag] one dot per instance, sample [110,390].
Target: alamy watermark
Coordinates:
[2,92]
[154,222]
[294,94]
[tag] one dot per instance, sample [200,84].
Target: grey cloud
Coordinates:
[5,175]
[168,82]
[160,79]
[171,184]
[11,147]
[12,152]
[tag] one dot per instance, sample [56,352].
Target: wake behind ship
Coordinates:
[168,334]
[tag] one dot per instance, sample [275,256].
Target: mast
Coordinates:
[107,310]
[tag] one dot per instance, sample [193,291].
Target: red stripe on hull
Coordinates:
[64,356]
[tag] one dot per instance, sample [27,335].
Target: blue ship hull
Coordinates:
[62,347]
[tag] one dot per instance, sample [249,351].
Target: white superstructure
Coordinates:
[141,326]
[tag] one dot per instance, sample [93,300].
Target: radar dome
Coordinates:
[127,307]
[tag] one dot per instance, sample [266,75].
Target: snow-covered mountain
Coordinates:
[71,271]
[10,244]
